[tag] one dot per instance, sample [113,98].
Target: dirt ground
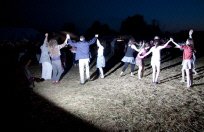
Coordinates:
[121,103]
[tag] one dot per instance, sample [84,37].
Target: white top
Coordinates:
[100,48]
[156,56]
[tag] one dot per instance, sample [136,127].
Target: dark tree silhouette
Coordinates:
[70,27]
[102,29]
[137,27]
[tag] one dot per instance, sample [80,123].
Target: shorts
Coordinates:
[155,63]
[187,64]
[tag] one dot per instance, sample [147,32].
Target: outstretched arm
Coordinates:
[98,43]
[70,42]
[46,39]
[177,45]
[190,36]
[140,53]
[190,33]
[135,48]
[65,42]
[164,46]
[142,56]
[92,41]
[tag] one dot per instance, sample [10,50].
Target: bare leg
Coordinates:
[153,73]
[188,78]
[140,72]
[183,75]
[101,72]
[157,74]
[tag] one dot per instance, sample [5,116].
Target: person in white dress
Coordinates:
[100,63]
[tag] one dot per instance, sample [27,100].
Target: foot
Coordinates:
[121,73]
[57,82]
[42,79]
[155,82]
[82,83]
[195,73]
[102,76]
[131,74]
[182,81]
[188,86]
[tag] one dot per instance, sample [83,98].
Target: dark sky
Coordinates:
[173,15]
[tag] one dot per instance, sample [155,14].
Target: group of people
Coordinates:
[188,63]
[52,68]
[51,61]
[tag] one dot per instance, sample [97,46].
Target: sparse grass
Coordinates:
[128,104]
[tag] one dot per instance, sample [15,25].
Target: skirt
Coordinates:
[100,62]
[130,60]
[187,64]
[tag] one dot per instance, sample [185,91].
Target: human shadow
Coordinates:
[194,85]
[108,69]
[177,76]
[29,111]
[92,63]
[95,75]
[46,116]
[68,64]
[112,62]
[199,70]
[170,66]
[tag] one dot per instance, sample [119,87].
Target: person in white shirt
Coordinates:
[156,57]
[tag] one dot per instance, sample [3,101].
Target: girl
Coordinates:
[187,60]
[156,57]
[129,58]
[100,59]
[140,61]
[54,50]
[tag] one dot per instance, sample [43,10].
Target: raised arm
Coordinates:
[177,45]
[190,36]
[98,43]
[190,33]
[65,42]
[46,39]
[164,46]
[70,42]
[142,56]
[92,41]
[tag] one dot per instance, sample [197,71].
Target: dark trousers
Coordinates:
[126,65]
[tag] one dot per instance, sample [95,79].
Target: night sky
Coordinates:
[173,15]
